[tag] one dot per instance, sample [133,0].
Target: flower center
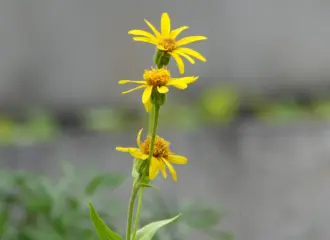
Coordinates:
[157,77]
[161,149]
[168,44]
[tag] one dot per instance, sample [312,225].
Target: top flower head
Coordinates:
[166,41]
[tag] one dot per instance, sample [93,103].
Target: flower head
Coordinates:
[162,156]
[166,41]
[157,79]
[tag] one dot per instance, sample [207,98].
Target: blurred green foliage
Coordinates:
[196,216]
[219,105]
[34,207]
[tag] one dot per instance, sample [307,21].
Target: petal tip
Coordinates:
[121,149]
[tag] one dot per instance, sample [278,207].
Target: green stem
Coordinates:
[130,211]
[154,130]
[151,119]
[138,211]
[154,116]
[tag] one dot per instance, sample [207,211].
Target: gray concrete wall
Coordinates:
[74,51]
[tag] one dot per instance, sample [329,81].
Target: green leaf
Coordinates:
[135,174]
[111,180]
[148,231]
[149,186]
[104,232]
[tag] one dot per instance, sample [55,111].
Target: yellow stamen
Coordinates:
[161,149]
[157,77]
[168,44]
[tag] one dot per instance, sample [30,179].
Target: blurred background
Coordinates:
[254,127]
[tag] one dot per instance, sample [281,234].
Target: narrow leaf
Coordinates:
[148,231]
[104,232]
[149,186]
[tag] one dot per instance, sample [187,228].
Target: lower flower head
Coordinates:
[159,80]
[162,156]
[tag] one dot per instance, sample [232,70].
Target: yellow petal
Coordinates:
[146,94]
[162,89]
[190,59]
[154,168]
[163,168]
[179,62]
[131,81]
[139,155]
[160,47]
[190,39]
[148,106]
[172,170]
[177,31]
[187,80]
[177,159]
[123,149]
[142,33]
[191,52]
[153,29]
[138,138]
[165,24]
[176,83]
[133,89]
[146,40]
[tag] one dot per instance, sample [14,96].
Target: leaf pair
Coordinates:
[145,233]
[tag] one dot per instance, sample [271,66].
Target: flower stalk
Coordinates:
[135,190]
[138,211]
[153,155]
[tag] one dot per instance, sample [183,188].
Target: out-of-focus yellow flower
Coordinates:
[165,41]
[157,79]
[162,156]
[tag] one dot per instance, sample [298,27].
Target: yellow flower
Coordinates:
[162,156]
[158,79]
[166,41]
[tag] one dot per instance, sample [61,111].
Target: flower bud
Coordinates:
[161,58]
[158,98]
